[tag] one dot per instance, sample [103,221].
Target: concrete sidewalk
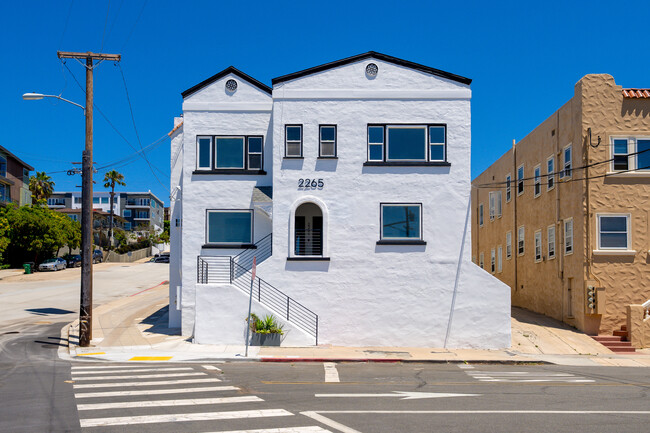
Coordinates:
[135,329]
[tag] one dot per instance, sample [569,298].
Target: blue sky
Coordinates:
[524,59]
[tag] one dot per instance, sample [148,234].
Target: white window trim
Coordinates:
[563,174]
[550,178]
[548,242]
[492,205]
[522,239]
[523,175]
[493,261]
[538,180]
[632,160]
[499,204]
[628,220]
[538,246]
[499,259]
[508,244]
[508,187]
[564,238]
[198,153]
[383,143]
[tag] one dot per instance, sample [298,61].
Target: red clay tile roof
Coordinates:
[636,93]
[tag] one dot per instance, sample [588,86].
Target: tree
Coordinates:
[37,232]
[41,185]
[112,178]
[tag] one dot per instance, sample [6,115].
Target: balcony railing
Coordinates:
[309,242]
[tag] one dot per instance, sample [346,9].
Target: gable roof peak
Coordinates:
[375,55]
[229,70]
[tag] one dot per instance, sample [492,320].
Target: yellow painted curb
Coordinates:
[88,354]
[151,358]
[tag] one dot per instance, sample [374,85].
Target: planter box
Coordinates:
[265,339]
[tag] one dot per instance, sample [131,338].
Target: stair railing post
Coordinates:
[231,268]
[259,290]
[288,299]
[316,330]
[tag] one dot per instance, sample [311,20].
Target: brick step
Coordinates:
[622,349]
[602,338]
[624,328]
[611,344]
[620,334]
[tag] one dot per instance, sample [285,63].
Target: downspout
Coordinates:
[514,240]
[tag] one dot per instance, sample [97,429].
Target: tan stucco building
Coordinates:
[568,207]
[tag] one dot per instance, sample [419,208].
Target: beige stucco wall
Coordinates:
[626,278]
[557,286]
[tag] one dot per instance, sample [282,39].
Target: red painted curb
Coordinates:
[385,360]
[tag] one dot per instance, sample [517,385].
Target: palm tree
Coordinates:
[41,185]
[112,178]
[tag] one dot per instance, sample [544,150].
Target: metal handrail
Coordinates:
[308,242]
[275,300]
[262,251]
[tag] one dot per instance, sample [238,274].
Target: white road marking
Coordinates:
[211,367]
[109,367]
[138,376]
[404,395]
[152,383]
[306,429]
[331,374]
[330,423]
[465,366]
[163,403]
[204,416]
[130,370]
[154,391]
[526,376]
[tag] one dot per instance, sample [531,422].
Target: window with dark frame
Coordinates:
[520,180]
[400,143]
[550,171]
[227,153]
[293,141]
[327,141]
[401,221]
[229,227]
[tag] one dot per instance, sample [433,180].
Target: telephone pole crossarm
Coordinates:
[88,55]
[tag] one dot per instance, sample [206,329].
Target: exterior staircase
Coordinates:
[618,342]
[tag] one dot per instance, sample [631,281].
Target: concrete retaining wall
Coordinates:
[131,256]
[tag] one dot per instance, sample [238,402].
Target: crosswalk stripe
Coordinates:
[305,429]
[138,376]
[526,377]
[331,374]
[152,383]
[109,367]
[163,403]
[131,370]
[211,367]
[204,416]
[537,380]
[154,391]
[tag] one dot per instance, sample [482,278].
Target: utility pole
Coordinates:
[86,303]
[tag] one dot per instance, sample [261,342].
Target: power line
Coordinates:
[117,14]
[134,25]
[65,26]
[108,9]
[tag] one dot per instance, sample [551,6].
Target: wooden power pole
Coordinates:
[86,304]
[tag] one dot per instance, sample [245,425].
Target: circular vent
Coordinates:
[231,85]
[371,70]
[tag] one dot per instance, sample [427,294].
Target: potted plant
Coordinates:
[266,331]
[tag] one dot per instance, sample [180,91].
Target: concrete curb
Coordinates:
[407,361]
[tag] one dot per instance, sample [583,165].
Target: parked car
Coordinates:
[98,256]
[160,259]
[52,265]
[72,260]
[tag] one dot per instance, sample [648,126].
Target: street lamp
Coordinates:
[85,305]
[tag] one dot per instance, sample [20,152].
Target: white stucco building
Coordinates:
[350,183]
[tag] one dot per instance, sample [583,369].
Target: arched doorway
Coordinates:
[308,230]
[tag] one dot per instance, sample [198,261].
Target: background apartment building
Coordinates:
[14,179]
[567,208]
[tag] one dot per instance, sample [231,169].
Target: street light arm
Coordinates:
[37,96]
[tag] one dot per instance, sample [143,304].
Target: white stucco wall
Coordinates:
[175,231]
[366,294]
[213,111]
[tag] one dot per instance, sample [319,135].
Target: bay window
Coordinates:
[407,144]
[229,154]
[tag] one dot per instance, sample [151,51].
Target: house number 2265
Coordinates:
[310,183]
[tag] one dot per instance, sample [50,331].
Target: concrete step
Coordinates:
[611,344]
[622,349]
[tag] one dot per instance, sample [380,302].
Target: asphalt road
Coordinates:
[349,398]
